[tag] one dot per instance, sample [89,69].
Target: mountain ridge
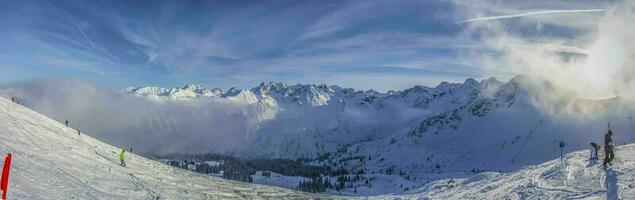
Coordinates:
[353,116]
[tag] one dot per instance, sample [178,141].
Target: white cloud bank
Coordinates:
[132,122]
[595,61]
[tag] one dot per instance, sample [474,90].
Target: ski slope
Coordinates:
[51,161]
[575,178]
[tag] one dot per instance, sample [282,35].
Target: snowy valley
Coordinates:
[493,136]
[396,141]
[52,162]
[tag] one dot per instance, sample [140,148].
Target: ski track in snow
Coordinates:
[140,184]
[99,154]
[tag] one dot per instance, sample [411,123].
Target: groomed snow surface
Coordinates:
[575,177]
[51,161]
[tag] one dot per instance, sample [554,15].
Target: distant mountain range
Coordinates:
[485,124]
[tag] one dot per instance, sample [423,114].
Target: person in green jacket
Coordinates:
[122,157]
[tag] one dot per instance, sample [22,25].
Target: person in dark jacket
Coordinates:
[594,151]
[608,148]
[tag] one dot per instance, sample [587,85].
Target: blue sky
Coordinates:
[360,44]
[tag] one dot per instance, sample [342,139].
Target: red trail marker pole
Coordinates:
[4,183]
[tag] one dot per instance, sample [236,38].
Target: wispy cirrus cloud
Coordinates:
[526,14]
[215,41]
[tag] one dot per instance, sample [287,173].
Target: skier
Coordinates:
[608,148]
[13,99]
[561,152]
[122,156]
[594,151]
[66,122]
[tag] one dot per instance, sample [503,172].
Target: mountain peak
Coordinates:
[231,92]
[192,87]
[470,81]
[185,92]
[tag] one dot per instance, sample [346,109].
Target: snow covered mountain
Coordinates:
[187,91]
[413,134]
[51,161]
[294,121]
[315,119]
[447,142]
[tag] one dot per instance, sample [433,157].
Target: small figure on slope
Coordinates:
[66,122]
[594,151]
[122,157]
[608,147]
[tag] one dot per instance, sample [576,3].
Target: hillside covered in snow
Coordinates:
[575,177]
[369,142]
[51,161]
